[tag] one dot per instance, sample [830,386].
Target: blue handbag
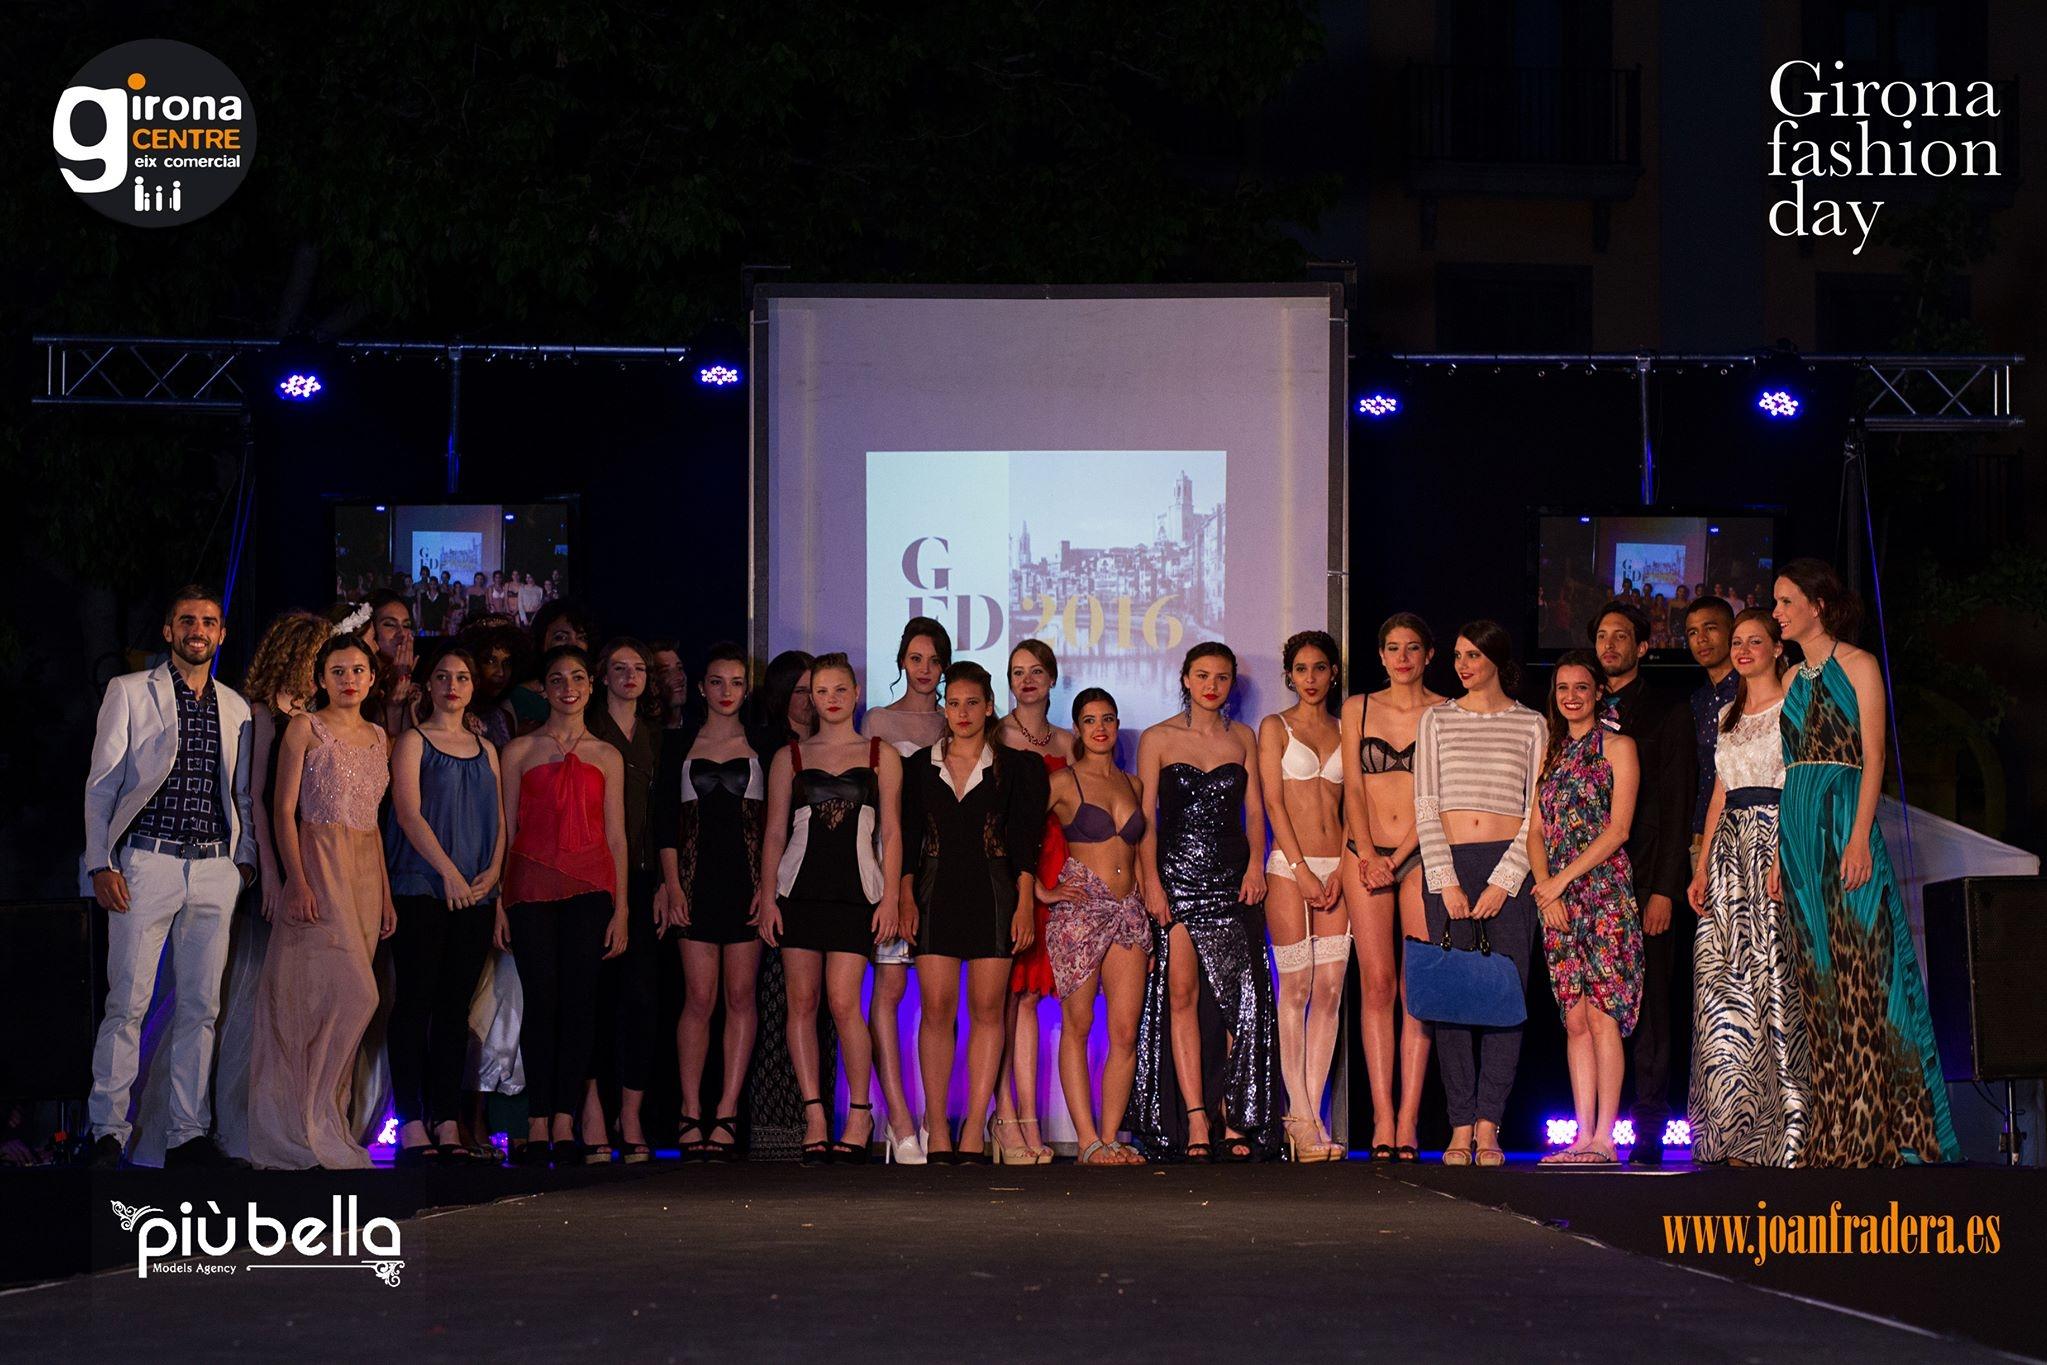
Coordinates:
[1470,986]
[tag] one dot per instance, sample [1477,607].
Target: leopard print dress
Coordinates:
[1878,1098]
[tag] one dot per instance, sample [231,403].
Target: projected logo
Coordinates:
[206,1240]
[1114,558]
[1651,570]
[154,133]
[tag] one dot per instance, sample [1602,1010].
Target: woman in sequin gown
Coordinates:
[1878,1098]
[1206,1041]
[318,992]
[1751,1066]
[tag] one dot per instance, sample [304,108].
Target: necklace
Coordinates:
[1025,731]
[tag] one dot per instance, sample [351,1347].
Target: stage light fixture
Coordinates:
[1562,1132]
[381,507]
[718,376]
[299,388]
[1780,383]
[1379,404]
[511,516]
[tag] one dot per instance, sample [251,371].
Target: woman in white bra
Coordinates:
[1300,760]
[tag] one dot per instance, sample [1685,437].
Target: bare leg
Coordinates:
[891,983]
[1372,915]
[845,973]
[593,1116]
[742,962]
[1583,1061]
[803,972]
[938,983]
[1183,997]
[1414,1034]
[1023,1068]
[1077,1015]
[1005,1101]
[987,991]
[701,964]
[1611,1059]
[1123,974]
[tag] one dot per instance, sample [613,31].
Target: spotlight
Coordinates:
[382,508]
[1378,404]
[718,376]
[511,516]
[1562,1132]
[1584,521]
[301,367]
[1780,383]
[299,388]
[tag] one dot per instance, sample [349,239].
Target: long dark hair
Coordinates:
[1559,728]
[1086,697]
[930,630]
[423,703]
[1207,649]
[335,644]
[1769,620]
[771,705]
[1840,609]
[967,671]
[1493,641]
[1324,641]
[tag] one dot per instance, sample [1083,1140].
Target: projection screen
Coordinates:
[1118,472]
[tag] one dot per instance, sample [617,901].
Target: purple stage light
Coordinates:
[1562,1132]
[718,376]
[1378,405]
[298,387]
[1778,403]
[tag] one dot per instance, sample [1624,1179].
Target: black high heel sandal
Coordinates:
[722,1151]
[1197,1151]
[853,1153]
[694,1150]
[817,1153]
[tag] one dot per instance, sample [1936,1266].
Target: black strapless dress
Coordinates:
[1202,856]
[718,858]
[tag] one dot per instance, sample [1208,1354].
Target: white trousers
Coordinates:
[187,906]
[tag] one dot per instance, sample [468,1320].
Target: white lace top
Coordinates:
[1752,753]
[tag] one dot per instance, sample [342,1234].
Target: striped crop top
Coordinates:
[1482,761]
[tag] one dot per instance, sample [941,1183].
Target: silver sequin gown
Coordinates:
[1202,855]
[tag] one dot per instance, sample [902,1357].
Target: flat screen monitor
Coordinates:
[1660,561]
[520,551]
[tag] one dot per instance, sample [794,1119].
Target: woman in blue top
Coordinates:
[445,846]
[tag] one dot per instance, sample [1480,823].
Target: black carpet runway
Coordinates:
[1256,1264]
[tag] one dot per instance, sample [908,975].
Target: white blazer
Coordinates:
[132,756]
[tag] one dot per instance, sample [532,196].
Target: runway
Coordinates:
[1265,1263]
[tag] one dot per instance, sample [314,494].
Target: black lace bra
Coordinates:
[1376,755]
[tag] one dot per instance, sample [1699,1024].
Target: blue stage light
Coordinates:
[1378,404]
[718,376]
[297,388]
[381,507]
[1584,521]
[511,516]
[1778,403]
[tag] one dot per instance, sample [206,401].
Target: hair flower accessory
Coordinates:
[354,621]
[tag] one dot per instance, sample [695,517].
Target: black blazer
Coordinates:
[1660,837]
[1001,821]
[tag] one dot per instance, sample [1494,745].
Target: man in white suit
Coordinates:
[168,848]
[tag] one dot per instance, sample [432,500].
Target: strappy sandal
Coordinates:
[817,1153]
[1382,1151]
[1458,1156]
[853,1153]
[1489,1156]
[1097,1148]
[715,1150]
[692,1149]
[1197,1151]
[1238,1151]
[1405,1152]
[634,1153]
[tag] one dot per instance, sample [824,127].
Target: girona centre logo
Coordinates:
[155,133]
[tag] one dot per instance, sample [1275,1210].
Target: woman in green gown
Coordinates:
[1878,1098]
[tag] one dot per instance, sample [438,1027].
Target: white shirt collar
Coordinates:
[973,778]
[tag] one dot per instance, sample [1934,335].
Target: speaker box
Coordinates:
[1986,970]
[48,981]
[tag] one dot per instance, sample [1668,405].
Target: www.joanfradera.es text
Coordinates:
[1763,1234]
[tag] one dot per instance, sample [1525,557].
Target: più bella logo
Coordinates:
[154,133]
[212,1241]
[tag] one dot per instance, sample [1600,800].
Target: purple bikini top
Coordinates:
[1094,825]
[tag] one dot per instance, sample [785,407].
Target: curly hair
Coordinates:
[1320,640]
[283,662]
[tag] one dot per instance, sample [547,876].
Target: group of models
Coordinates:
[793,846]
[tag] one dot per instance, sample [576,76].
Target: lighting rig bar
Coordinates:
[219,374]
[1951,393]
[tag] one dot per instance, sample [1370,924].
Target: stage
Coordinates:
[1252,1263]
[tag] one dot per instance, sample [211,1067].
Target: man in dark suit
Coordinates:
[1659,847]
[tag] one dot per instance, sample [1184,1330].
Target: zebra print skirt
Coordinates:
[1751,1065]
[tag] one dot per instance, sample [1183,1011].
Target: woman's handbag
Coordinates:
[1474,987]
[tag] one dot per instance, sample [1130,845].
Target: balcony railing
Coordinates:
[1524,116]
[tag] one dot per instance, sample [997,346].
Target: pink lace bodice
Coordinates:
[343,783]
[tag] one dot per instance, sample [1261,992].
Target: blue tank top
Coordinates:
[459,798]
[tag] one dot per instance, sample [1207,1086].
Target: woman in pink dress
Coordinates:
[318,992]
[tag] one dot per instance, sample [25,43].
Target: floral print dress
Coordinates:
[1597,955]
